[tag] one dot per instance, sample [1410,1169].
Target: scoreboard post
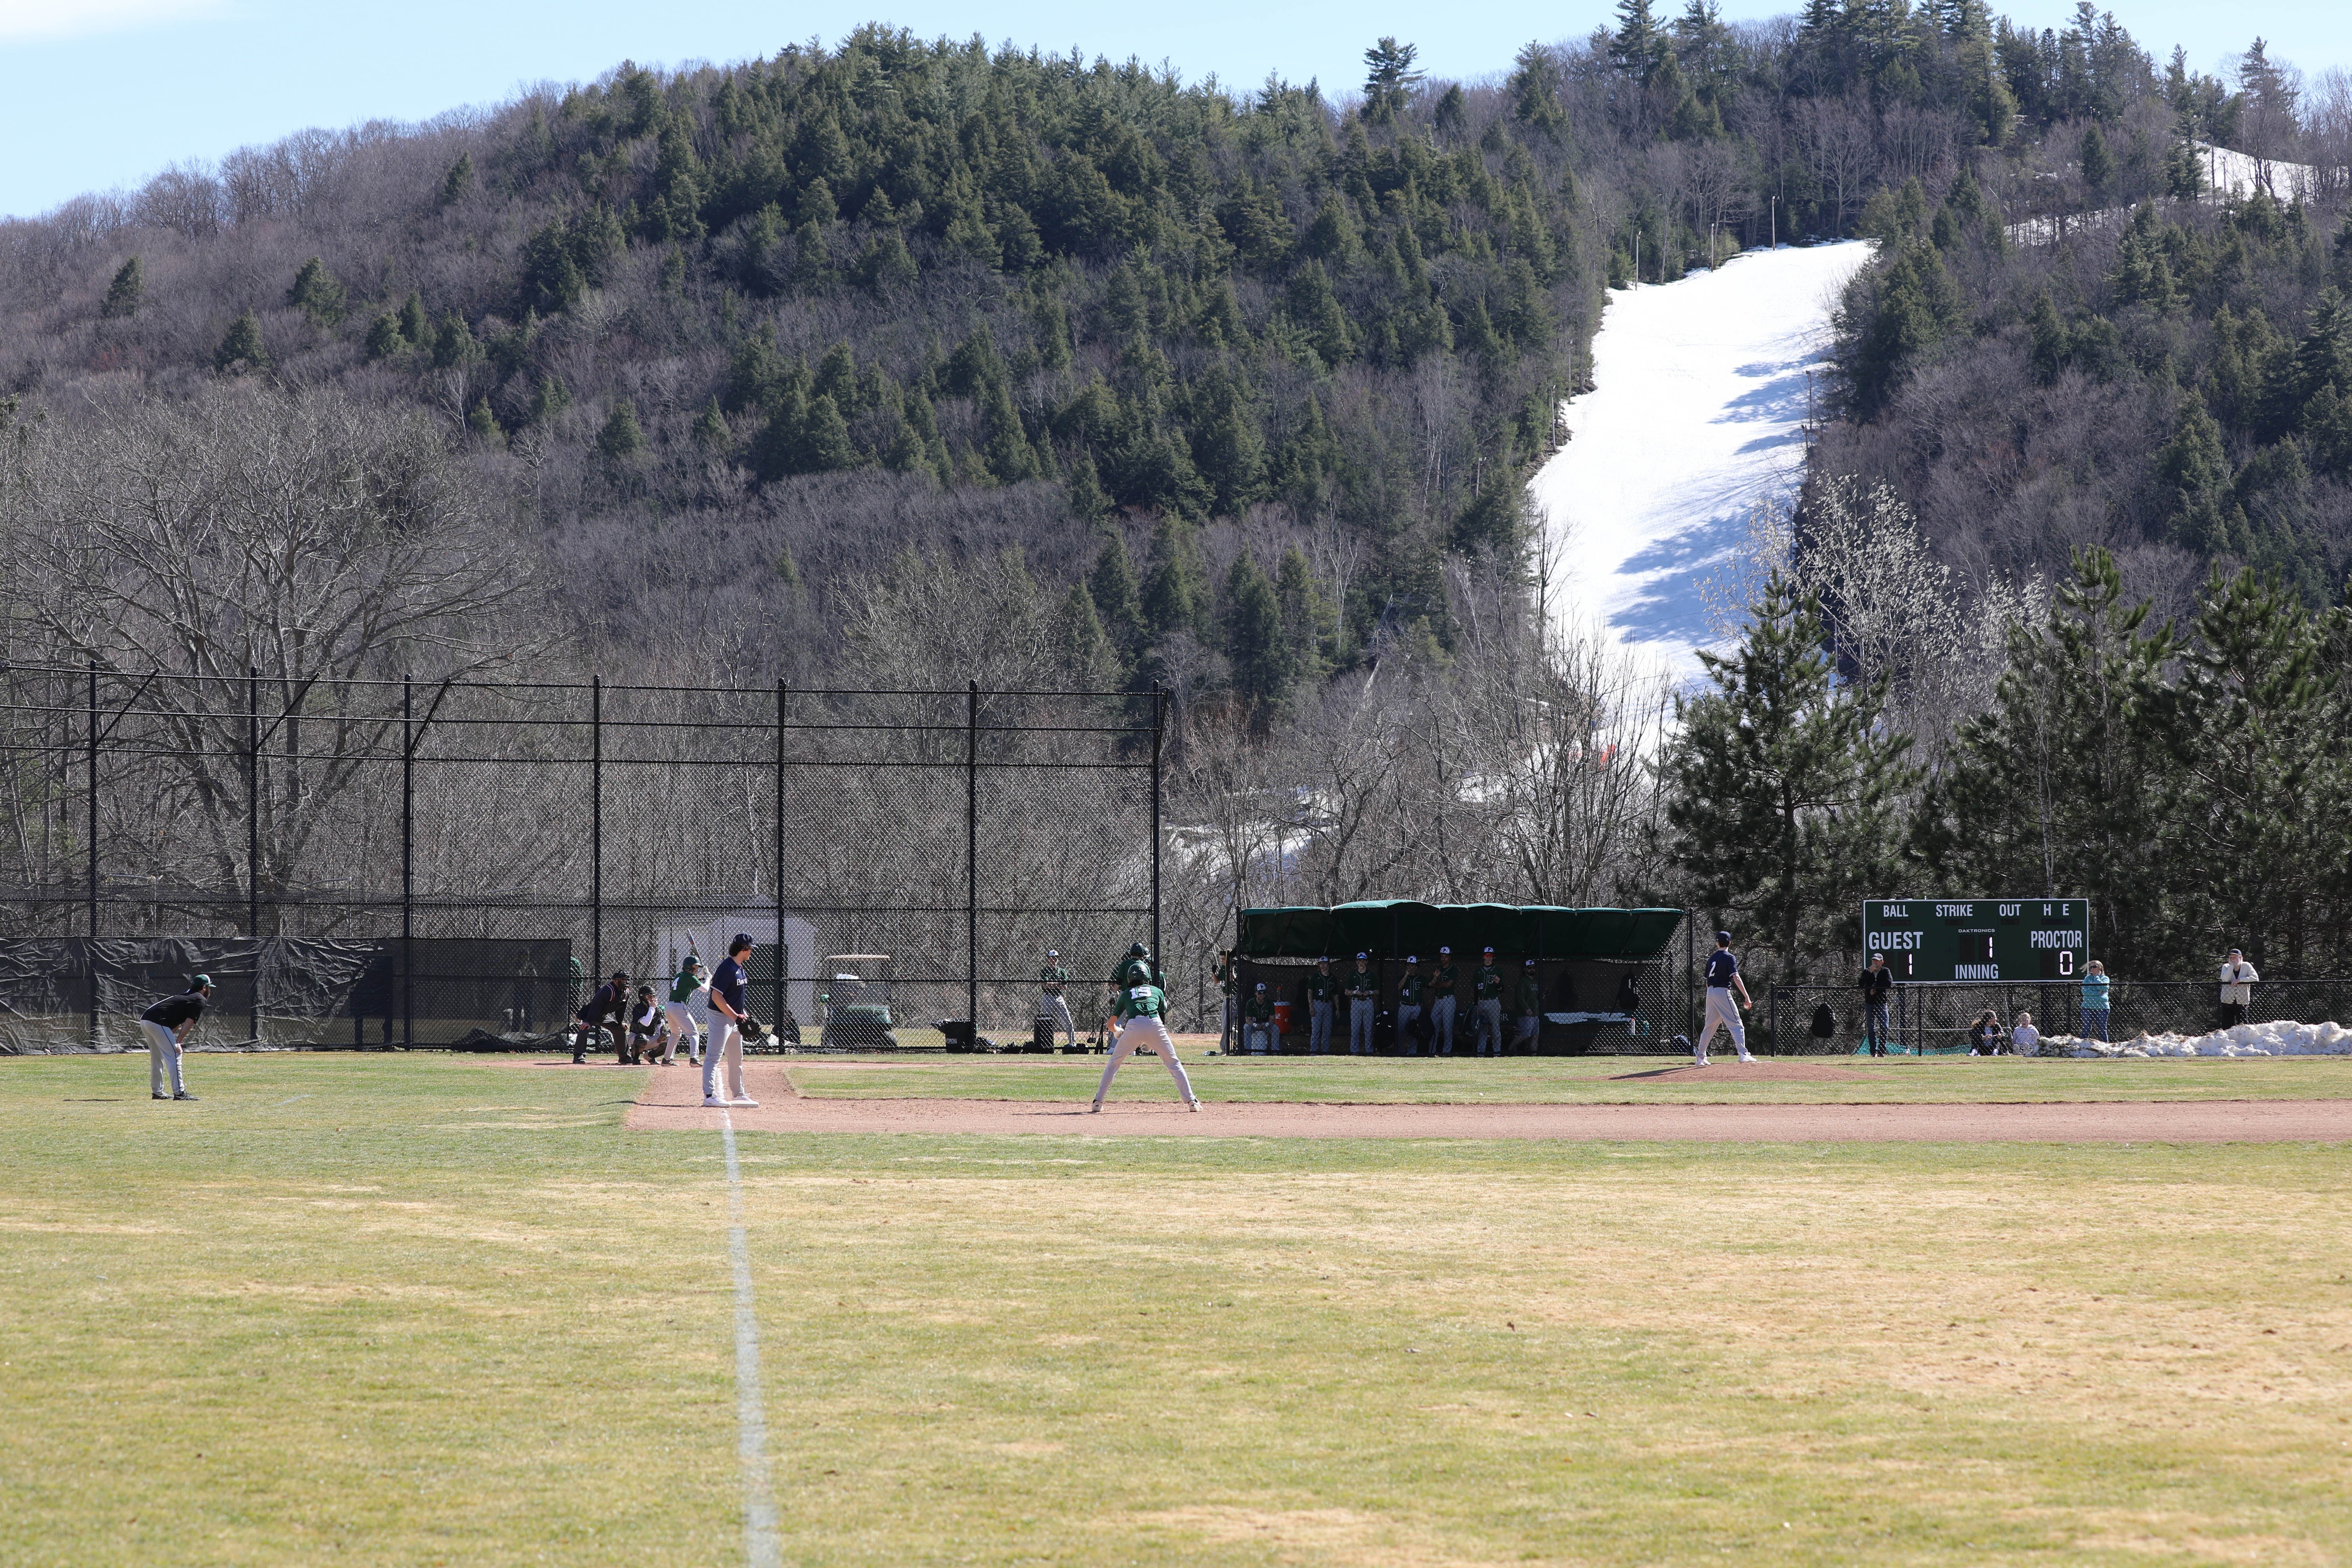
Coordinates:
[1931,939]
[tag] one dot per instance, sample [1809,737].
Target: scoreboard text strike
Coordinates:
[1977,939]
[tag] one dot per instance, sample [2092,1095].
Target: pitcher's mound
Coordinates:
[1738,1072]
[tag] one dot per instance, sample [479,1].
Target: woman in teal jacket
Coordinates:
[2095,990]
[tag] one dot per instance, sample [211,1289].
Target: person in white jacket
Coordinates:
[2025,1040]
[2238,979]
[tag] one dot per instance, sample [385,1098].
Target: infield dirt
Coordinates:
[672,1100]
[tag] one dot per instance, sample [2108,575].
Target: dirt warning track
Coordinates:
[673,1101]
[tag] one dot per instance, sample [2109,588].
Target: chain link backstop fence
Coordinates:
[429,863]
[1934,1019]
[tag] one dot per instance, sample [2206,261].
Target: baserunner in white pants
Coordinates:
[1722,978]
[730,995]
[166,1025]
[689,994]
[1051,1005]
[1139,1009]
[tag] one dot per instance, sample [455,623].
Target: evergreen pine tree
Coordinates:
[241,348]
[2056,789]
[1088,661]
[383,337]
[1255,647]
[825,445]
[483,423]
[1111,588]
[2198,481]
[1010,457]
[1176,590]
[1783,788]
[415,329]
[621,439]
[458,181]
[1087,500]
[1309,628]
[454,343]
[710,430]
[551,398]
[122,295]
[2098,163]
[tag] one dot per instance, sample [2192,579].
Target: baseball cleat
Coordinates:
[712,1102]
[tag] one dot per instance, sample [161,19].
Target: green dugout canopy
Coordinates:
[1391,929]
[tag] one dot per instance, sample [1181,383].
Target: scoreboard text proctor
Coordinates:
[1977,939]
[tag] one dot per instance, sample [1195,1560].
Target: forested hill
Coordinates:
[2144,363]
[786,340]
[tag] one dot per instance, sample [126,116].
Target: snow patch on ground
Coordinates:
[1702,389]
[2278,1039]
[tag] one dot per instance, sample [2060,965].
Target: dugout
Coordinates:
[1610,978]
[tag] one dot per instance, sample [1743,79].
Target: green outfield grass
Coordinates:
[1578,1080]
[412,1309]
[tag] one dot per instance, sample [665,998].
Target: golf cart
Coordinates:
[856,1003]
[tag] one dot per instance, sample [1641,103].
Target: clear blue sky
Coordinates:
[101,93]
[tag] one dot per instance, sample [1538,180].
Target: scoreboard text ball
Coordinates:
[1977,939]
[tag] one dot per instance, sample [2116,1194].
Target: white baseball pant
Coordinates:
[1721,1012]
[722,1042]
[1054,1007]
[1441,1018]
[1144,1032]
[163,1060]
[1490,1026]
[681,1028]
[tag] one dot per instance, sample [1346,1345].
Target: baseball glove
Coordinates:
[753,1031]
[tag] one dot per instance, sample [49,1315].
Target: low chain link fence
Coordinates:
[431,863]
[1936,1019]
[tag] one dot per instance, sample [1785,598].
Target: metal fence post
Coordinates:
[91,962]
[971,857]
[253,837]
[777,1015]
[407,863]
[596,830]
[1159,726]
[782,955]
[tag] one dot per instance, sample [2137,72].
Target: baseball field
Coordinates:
[418,1309]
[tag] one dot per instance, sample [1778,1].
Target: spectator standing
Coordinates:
[1877,986]
[1363,1004]
[1412,992]
[1446,999]
[722,1050]
[167,1025]
[1322,995]
[2238,979]
[1722,1007]
[2097,994]
[1530,1005]
[2025,1040]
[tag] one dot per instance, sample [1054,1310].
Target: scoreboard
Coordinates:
[1977,939]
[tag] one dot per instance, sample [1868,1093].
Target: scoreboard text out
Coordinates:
[1977,939]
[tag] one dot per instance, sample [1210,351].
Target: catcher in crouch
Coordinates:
[1137,1008]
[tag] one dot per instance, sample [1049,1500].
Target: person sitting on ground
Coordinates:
[2025,1040]
[1258,1033]
[1984,1035]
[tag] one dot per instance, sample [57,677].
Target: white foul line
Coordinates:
[762,1546]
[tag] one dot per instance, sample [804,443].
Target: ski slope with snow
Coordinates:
[1701,392]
